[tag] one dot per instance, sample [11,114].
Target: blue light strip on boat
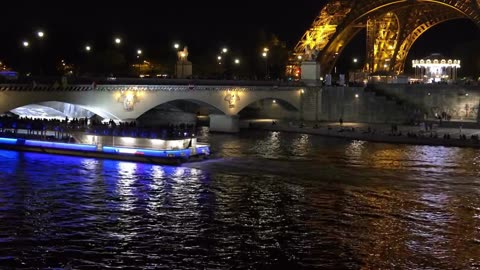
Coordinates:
[8,141]
[56,145]
[184,153]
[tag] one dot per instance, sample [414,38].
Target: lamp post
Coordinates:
[176,46]
[302,92]
[41,37]
[87,61]
[265,55]
[237,64]
[25,58]
[225,64]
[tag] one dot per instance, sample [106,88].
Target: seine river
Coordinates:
[265,200]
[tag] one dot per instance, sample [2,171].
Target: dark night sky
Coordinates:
[204,26]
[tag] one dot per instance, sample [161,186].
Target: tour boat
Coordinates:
[191,150]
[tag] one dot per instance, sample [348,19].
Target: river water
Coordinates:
[265,200]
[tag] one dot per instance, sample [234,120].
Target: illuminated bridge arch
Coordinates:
[392,28]
[197,102]
[272,104]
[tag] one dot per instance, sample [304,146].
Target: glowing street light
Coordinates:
[176,45]
[265,54]
[25,44]
[237,61]
[118,41]
[219,58]
[139,52]
[88,48]
[355,60]
[224,50]
[40,34]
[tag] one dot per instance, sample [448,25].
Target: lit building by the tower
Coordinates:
[436,68]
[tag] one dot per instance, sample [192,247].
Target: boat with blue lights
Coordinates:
[125,148]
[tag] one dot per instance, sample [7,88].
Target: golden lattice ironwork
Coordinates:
[392,28]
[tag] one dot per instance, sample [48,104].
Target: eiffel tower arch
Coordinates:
[392,28]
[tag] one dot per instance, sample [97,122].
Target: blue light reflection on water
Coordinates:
[81,202]
[264,200]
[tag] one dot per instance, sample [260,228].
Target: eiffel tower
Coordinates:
[392,28]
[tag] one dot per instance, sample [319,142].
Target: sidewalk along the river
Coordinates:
[402,134]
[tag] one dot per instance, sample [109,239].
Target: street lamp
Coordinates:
[88,48]
[265,55]
[40,34]
[176,46]
[118,41]
[355,60]
[236,61]
[224,50]
[25,44]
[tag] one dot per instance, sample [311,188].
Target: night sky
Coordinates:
[204,26]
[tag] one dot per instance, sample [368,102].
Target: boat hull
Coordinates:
[107,152]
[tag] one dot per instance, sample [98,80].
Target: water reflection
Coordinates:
[266,200]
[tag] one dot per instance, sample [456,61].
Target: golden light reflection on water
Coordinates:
[392,157]
[301,145]
[270,146]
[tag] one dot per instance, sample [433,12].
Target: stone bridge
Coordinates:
[129,102]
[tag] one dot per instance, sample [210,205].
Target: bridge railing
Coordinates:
[92,81]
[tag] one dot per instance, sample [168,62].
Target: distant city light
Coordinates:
[219,57]
[88,48]
[176,45]
[40,34]
[237,61]
[139,52]
[355,60]
[224,50]
[264,54]
[25,44]
[118,41]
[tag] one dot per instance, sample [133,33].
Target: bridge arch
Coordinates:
[269,105]
[340,20]
[59,108]
[198,102]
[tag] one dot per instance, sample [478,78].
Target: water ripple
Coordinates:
[266,200]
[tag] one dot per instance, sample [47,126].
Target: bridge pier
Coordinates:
[224,123]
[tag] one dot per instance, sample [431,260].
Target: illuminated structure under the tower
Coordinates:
[436,68]
[392,28]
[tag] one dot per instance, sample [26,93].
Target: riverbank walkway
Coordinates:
[424,134]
